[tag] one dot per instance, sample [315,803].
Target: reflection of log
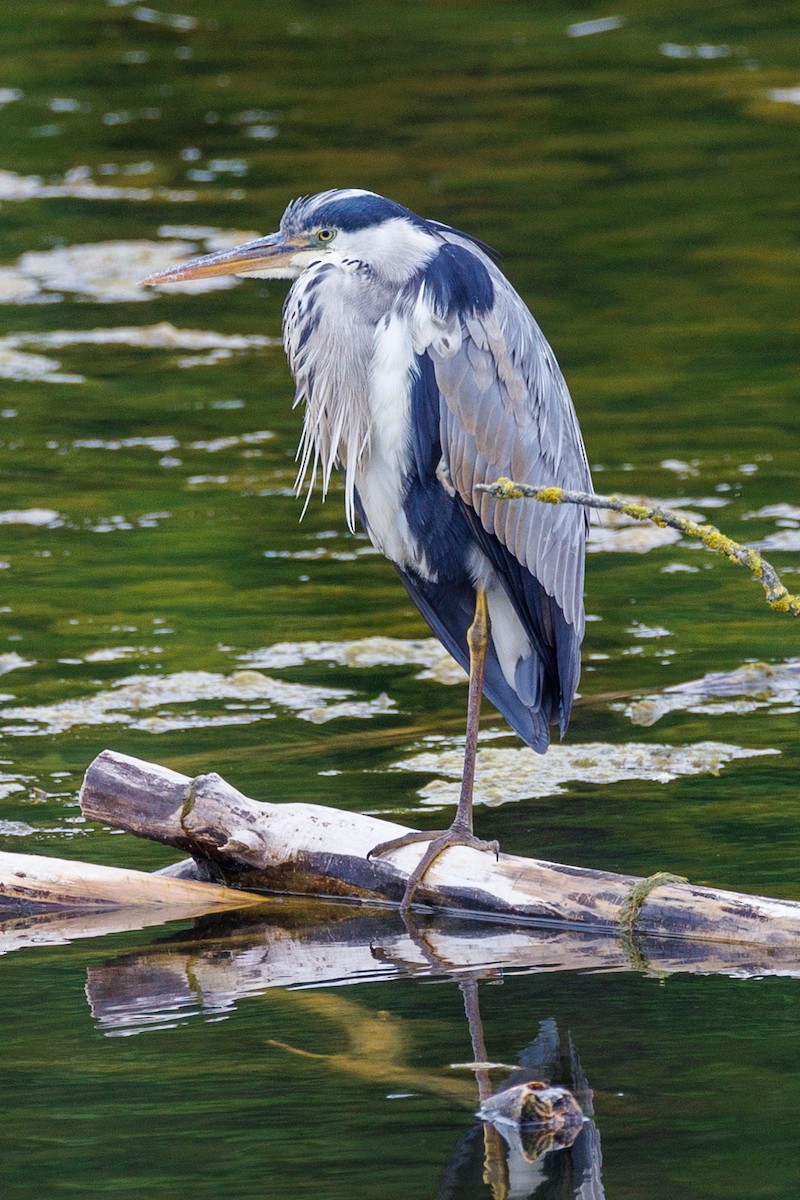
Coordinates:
[33,883]
[59,927]
[227,958]
[303,848]
[247,953]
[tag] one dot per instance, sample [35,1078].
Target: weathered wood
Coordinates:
[33,883]
[307,849]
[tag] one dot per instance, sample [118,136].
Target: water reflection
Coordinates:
[289,1048]
[164,985]
[223,959]
[161,987]
[517,1157]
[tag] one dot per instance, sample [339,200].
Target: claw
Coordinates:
[440,840]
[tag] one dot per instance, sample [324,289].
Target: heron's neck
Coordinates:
[329,327]
[393,252]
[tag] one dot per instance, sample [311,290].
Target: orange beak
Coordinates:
[272,253]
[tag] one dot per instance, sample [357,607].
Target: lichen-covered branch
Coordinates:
[777,596]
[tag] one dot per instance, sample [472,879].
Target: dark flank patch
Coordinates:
[426,440]
[449,608]
[555,642]
[440,523]
[458,282]
[435,520]
[437,524]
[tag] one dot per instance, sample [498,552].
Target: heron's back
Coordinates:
[419,394]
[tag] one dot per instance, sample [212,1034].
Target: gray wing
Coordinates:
[506,411]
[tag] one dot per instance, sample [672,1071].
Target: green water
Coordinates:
[641,185]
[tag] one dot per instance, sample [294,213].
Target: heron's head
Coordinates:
[345,225]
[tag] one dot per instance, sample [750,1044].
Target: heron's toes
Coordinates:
[406,839]
[440,840]
[457,835]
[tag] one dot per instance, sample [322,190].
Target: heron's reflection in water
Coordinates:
[536,1139]
[205,972]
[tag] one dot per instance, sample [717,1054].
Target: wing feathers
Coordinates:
[505,410]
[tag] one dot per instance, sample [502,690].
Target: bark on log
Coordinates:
[309,850]
[35,883]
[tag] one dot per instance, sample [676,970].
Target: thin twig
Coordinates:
[777,596]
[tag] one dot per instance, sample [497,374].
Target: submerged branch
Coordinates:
[777,596]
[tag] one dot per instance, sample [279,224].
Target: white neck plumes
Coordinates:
[333,318]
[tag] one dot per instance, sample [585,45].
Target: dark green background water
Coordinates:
[642,187]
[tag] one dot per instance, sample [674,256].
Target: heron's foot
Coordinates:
[440,840]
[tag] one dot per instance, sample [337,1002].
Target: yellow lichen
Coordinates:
[508,490]
[755,564]
[550,495]
[639,512]
[189,800]
[786,603]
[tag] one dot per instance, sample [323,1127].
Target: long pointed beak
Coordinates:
[267,253]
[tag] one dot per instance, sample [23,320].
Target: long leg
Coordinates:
[478,644]
[460,832]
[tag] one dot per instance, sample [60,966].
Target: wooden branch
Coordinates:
[777,596]
[307,849]
[34,883]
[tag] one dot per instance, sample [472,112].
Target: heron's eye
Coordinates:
[326,235]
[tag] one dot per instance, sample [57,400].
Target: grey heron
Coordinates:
[422,373]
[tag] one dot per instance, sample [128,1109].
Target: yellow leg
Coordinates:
[460,832]
[478,643]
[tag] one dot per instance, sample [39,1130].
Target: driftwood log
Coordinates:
[309,850]
[34,883]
